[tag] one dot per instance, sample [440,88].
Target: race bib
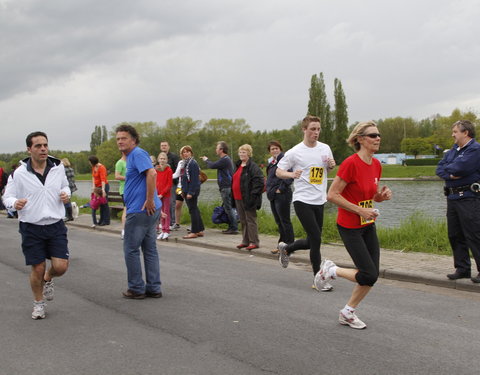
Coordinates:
[316,175]
[366,204]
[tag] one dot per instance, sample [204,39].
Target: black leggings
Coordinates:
[362,245]
[311,217]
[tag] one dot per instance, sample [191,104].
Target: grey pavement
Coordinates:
[414,267]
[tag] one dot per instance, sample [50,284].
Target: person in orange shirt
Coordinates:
[99,179]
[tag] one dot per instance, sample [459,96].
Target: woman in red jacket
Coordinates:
[164,186]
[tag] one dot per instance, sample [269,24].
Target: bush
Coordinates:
[410,162]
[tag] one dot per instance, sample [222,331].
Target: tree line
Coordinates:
[399,134]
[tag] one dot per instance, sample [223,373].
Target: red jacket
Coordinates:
[164,182]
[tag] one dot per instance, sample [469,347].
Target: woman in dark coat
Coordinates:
[191,191]
[279,193]
[247,188]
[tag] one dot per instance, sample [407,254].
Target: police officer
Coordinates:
[460,168]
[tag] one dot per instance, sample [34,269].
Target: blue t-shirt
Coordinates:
[135,193]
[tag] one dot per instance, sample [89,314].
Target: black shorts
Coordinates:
[179,197]
[40,242]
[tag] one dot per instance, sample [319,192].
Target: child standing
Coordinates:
[164,186]
[97,199]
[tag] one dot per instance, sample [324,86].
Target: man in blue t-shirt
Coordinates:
[143,212]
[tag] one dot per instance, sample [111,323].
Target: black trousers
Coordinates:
[362,245]
[195,216]
[281,212]
[311,217]
[463,220]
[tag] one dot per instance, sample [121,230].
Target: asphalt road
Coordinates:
[223,313]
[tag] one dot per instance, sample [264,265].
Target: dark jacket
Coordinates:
[274,183]
[463,163]
[172,160]
[190,178]
[224,167]
[251,185]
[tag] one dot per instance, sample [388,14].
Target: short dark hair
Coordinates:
[93,160]
[223,145]
[466,126]
[130,130]
[308,119]
[274,143]
[33,135]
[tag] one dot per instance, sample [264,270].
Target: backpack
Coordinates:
[219,216]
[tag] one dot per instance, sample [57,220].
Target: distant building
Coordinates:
[399,158]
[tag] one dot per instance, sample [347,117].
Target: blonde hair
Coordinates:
[357,131]
[248,148]
[66,162]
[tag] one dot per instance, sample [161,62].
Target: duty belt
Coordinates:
[475,188]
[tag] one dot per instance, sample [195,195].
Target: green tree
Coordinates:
[394,130]
[180,131]
[340,148]
[318,106]
[416,146]
[95,138]
[108,154]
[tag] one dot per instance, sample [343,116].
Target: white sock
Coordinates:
[333,271]
[348,310]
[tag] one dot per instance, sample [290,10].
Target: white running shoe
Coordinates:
[165,236]
[283,257]
[351,320]
[48,290]
[160,236]
[324,275]
[38,310]
[123,234]
[327,287]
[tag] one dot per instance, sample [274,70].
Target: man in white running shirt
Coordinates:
[310,161]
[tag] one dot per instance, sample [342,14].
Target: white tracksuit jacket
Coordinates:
[43,205]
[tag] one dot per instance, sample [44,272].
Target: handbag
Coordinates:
[219,216]
[203,177]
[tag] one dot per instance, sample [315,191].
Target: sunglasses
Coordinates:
[373,135]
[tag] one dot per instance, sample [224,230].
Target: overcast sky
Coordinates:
[68,65]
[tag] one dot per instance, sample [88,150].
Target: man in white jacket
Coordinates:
[38,190]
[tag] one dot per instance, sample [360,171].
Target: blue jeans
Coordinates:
[226,194]
[141,231]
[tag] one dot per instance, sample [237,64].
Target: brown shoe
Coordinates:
[191,235]
[274,251]
[153,295]
[132,295]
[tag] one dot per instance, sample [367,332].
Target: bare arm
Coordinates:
[151,179]
[283,174]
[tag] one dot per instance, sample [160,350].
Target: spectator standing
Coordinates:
[70,173]
[120,172]
[96,201]
[460,168]
[310,161]
[164,188]
[38,191]
[3,183]
[247,188]
[173,160]
[99,179]
[224,167]
[191,191]
[143,212]
[279,193]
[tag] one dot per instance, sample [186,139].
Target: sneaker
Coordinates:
[165,236]
[176,227]
[160,236]
[351,320]
[327,287]
[283,257]
[324,275]
[123,234]
[48,290]
[38,310]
